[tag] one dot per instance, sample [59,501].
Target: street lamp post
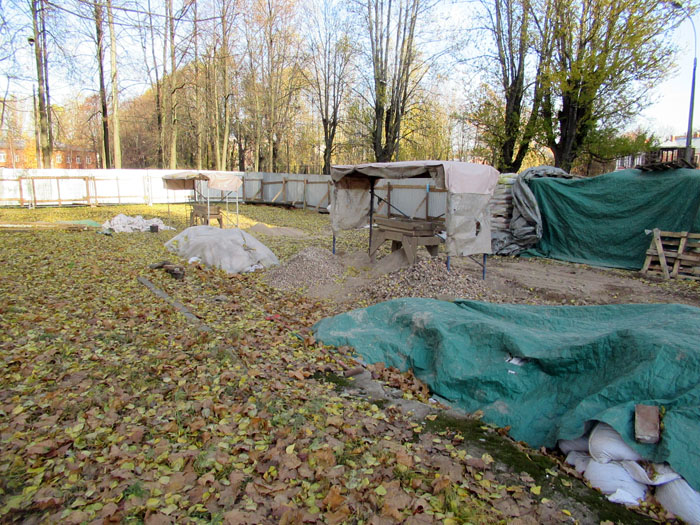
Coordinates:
[689,135]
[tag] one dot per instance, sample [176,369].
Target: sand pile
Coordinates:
[310,267]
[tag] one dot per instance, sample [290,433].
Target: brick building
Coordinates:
[21,154]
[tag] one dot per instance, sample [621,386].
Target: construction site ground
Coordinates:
[116,407]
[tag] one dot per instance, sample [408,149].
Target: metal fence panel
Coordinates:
[52,187]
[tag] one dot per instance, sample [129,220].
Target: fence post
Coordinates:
[427,199]
[388,200]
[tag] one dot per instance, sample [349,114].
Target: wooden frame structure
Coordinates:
[673,255]
[406,234]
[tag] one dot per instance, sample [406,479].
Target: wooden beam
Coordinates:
[681,249]
[660,251]
[175,304]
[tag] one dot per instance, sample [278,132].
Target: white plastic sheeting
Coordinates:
[614,481]
[125,224]
[606,445]
[232,250]
[679,497]
[216,180]
[470,187]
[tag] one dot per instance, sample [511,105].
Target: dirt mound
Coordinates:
[352,278]
[428,278]
[311,266]
[390,263]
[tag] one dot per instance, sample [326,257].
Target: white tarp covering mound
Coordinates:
[126,224]
[232,250]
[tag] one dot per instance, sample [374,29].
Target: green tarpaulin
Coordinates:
[580,364]
[601,220]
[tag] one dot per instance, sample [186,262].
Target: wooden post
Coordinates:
[87,189]
[371,214]
[58,189]
[304,194]
[34,191]
[119,195]
[388,200]
[21,192]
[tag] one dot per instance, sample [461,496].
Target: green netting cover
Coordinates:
[601,220]
[582,363]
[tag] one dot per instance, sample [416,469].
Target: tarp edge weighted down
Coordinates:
[580,364]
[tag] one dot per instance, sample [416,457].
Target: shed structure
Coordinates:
[469,187]
[192,179]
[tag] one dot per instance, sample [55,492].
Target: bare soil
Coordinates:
[353,279]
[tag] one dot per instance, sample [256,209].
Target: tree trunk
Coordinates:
[173,88]
[99,34]
[198,110]
[44,160]
[44,48]
[115,88]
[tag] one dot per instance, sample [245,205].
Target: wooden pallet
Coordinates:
[663,166]
[673,255]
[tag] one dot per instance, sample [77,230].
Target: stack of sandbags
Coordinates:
[613,467]
[501,204]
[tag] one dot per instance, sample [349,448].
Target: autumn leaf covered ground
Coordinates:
[114,408]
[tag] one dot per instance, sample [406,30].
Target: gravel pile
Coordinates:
[311,266]
[428,278]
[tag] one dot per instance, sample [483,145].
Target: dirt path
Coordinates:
[549,281]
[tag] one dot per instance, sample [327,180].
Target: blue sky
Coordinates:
[669,114]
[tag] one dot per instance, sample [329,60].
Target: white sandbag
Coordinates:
[125,224]
[232,250]
[614,481]
[660,473]
[605,444]
[680,498]
[579,444]
[578,459]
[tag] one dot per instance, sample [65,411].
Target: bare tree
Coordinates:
[511,131]
[275,70]
[331,53]
[397,69]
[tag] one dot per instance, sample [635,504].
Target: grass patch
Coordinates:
[339,381]
[503,450]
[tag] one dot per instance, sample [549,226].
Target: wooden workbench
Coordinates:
[406,234]
[204,214]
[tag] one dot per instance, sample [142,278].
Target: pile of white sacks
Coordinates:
[613,467]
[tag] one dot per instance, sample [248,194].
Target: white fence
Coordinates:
[414,198]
